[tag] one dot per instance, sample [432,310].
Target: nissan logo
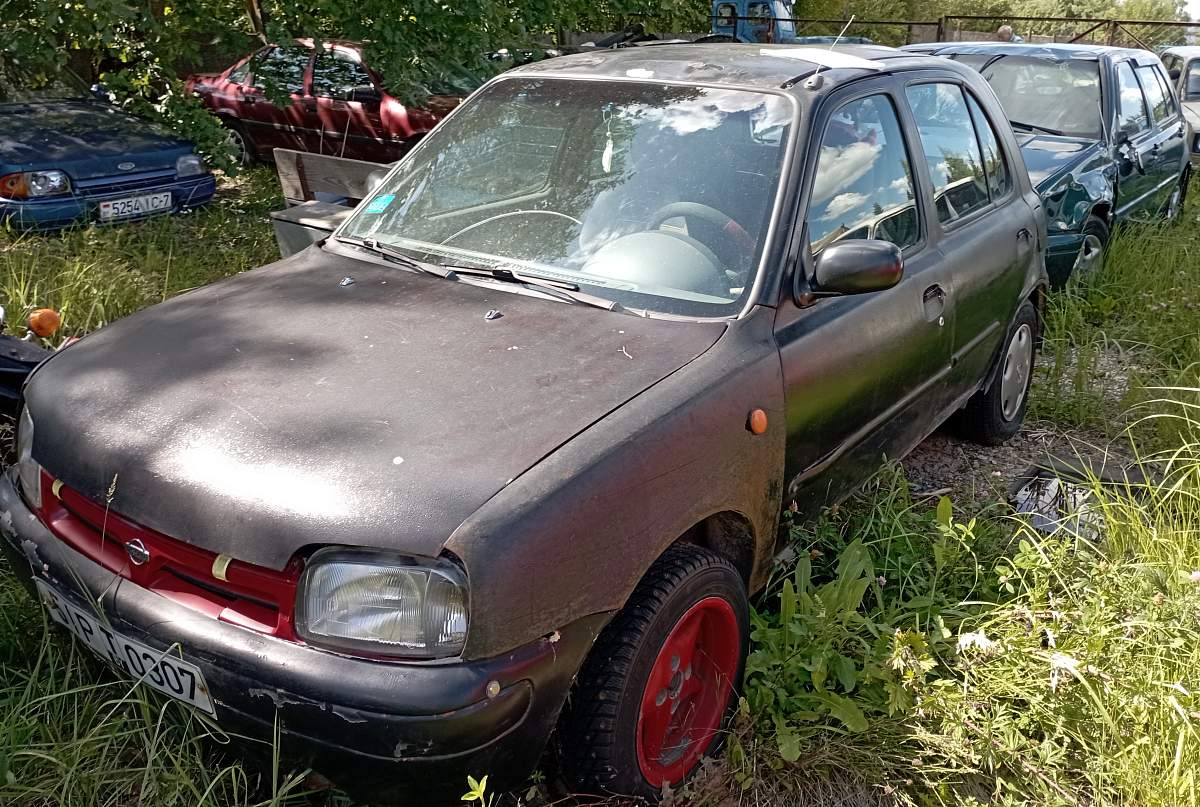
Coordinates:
[138,553]
[126,166]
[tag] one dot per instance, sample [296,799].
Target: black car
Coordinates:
[1101,132]
[508,452]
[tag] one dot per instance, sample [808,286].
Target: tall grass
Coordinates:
[94,276]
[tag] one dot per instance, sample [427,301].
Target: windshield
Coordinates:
[1061,96]
[657,196]
[63,86]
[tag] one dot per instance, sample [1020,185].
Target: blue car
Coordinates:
[68,158]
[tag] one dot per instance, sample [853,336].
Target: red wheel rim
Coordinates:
[688,691]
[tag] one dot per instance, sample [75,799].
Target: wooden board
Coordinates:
[302,175]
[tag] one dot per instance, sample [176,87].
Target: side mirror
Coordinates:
[1174,73]
[1131,158]
[858,266]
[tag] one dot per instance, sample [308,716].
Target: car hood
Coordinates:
[1048,156]
[287,407]
[84,138]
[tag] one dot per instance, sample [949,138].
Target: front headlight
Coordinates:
[28,471]
[363,601]
[189,165]
[34,184]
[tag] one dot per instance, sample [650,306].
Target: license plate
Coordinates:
[156,668]
[135,206]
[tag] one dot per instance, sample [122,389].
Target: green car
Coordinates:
[1101,132]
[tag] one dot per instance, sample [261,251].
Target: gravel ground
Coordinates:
[971,473]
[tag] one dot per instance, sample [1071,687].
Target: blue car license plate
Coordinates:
[135,206]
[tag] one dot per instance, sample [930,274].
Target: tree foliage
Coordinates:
[140,49]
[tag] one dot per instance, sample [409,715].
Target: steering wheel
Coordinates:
[725,224]
[510,213]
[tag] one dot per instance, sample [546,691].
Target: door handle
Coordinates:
[250,99]
[934,302]
[1024,241]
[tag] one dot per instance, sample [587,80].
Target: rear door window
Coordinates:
[998,177]
[1132,116]
[337,73]
[864,184]
[948,140]
[1156,93]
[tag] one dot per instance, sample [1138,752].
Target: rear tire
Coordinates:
[653,695]
[994,414]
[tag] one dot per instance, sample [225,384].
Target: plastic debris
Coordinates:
[347,281]
[493,313]
[1061,494]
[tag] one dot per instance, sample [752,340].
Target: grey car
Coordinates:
[504,457]
[1183,67]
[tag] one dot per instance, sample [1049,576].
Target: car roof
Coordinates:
[740,65]
[1054,51]
[1186,51]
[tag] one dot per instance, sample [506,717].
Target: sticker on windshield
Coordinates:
[380,203]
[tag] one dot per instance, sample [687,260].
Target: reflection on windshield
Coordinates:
[659,195]
[1064,96]
[20,88]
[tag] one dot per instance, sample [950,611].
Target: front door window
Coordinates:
[864,184]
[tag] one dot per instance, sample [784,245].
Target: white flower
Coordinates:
[1061,663]
[1195,576]
[976,641]
[881,580]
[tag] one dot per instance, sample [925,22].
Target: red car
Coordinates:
[338,104]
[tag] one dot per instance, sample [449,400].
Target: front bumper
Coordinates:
[83,206]
[384,731]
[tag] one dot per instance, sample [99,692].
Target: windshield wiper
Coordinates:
[396,256]
[1033,127]
[562,289]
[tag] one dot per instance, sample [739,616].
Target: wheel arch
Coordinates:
[731,535]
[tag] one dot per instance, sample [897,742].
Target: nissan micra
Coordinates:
[498,463]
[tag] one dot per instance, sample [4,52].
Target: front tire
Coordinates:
[1091,252]
[994,414]
[655,691]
